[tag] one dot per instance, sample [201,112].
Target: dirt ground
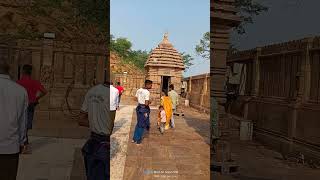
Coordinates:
[260,163]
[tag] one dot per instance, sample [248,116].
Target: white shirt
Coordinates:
[114,98]
[163,116]
[143,95]
[96,104]
[13,115]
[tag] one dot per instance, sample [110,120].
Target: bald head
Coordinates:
[4,67]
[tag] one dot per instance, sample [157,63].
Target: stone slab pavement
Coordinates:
[119,141]
[51,159]
[180,153]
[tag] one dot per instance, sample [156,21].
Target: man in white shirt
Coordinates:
[13,123]
[143,111]
[114,102]
[98,111]
[175,101]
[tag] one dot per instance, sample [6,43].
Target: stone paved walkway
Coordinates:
[181,153]
[119,141]
[51,159]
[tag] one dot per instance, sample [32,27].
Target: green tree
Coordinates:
[138,58]
[203,48]
[247,10]
[122,46]
[187,60]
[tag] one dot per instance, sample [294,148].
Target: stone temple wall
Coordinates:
[198,92]
[66,69]
[283,87]
[155,74]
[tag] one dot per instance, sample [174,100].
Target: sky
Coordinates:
[286,20]
[144,23]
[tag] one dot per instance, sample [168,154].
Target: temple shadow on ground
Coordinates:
[199,122]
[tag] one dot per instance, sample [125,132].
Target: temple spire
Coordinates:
[165,41]
[165,36]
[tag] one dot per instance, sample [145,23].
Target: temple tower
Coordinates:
[164,67]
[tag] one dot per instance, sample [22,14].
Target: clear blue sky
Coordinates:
[144,22]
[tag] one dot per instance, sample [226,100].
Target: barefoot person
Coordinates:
[174,96]
[167,105]
[143,111]
[13,119]
[95,114]
[35,92]
[162,119]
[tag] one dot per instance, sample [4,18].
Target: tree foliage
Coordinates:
[187,60]
[122,46]
[247,10]
[203,48]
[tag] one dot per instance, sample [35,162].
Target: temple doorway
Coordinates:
[165,82]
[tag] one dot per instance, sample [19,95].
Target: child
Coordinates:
[162,119]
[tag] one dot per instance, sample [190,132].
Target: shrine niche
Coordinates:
[164,67]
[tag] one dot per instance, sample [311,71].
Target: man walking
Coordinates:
[114,102]
[35,92]
[13,119]
[143,111]
[175,101]
[120,89]
[95,115]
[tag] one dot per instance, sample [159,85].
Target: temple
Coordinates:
[164,67]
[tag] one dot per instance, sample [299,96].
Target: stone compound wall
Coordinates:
[198,92]
[130,82]
[282,95]
[67,70]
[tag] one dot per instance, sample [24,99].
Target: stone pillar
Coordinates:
[305,81]
[256,70]
[223,18]
[46,68]
[218,58]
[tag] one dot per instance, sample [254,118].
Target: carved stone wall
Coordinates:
[285,95]
[66,69]
[198,92]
